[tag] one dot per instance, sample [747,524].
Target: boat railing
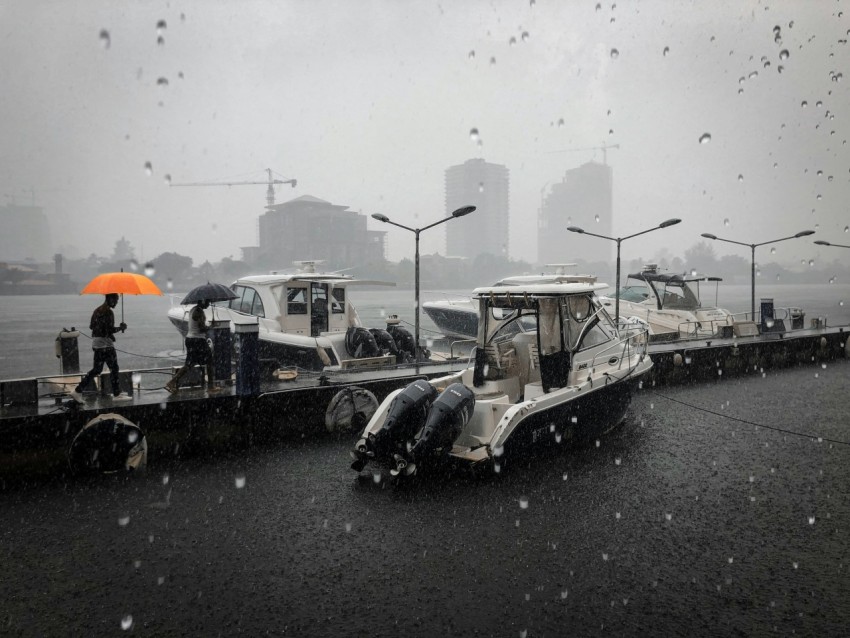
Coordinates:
[635,337]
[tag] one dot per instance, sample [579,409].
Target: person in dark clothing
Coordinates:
[103,338]
[197,349]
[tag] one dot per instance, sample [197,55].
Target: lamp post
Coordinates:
[802,233]
[821,242]
[619,240]
[460,212]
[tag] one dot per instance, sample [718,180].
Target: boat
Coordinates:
[569,380]
[669,305]
[307,321]
[458,317]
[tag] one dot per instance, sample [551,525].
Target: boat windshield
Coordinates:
[677,295]
[635,294]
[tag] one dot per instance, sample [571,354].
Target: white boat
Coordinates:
[570,379]
[670,305]
[459,317]
[306,320]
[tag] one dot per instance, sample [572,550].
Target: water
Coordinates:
[29,325]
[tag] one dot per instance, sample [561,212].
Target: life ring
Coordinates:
[350,410]
[108,444]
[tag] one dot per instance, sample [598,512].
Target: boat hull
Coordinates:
[454,321]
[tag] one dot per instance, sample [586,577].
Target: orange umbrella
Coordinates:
[123,283]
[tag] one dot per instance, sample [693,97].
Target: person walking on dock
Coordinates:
[197,349]
[103,339]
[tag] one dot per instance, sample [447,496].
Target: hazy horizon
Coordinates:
[366,105]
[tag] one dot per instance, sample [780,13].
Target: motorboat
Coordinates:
[569,379]
[458,317]
[670,305]
[306,320]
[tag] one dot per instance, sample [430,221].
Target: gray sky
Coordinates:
[367,103]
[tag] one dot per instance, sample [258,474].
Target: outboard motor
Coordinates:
[384,340]
[360,343]
[404,341]
[405,417]
[447,418]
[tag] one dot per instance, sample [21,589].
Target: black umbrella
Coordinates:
[209,292]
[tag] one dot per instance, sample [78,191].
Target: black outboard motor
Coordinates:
[405,417]
[384,340]
[447,418]
[360,343]
[404,341]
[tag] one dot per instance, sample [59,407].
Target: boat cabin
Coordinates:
[665,291]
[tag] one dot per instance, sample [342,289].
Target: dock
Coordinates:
[39,420]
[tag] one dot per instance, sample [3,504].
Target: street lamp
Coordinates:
[802,233]
[460,212]
[821,242]
[664,224]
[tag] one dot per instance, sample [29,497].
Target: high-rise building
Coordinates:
[486,186]
[584,198]
[309,228]
[24,234]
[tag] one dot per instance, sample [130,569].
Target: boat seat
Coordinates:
[501,360]
[528,358]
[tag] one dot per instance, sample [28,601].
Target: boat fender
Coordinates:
[108,444]
[404,341]
[350,410]
[677,359]
[64,334]
[384,340]
[360,343]
[405,417]
[447,417]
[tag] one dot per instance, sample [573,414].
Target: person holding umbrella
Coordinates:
[103,331]
[197,349]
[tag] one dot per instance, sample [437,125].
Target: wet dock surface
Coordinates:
[686,520]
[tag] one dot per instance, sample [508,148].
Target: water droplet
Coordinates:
[169,284]
[705,138]
[596,217]
[167,180]
[239,481]
[819,104]
[148,169]
[773,251]
[754,74]
[162,82]
[123,521]
[726,222]
[740,177]
[512,41]
[473,134]
[841,303]
[604,556]
[617,461]
[847,229]
[615,54]
[783,54]
[471,54]
[811,263]
[767,64]
[560,122]
[668,516]
[523,502]
[493,60]
[780,69]
[348,527]
[524,36]
[480,187]
[105,40]
[161,26]
[795,564]
[665,51]
[804,104]
[598,6]
[127,622]
[150,270]
[731,560]
[693,272]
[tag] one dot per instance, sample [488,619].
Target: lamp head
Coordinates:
[709,236]
[669,222]
[460,212]
[821,242]
[575,229]
[804,233]
[380,218]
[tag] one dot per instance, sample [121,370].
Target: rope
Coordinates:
[758,425]
[132,354]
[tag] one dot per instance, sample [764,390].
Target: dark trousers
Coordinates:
[103,356]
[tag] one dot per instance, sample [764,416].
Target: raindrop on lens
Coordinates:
[104,39]
[726,222]
[773,251]
[665,51]
[493,60]
[148,169]
[740,177]
[473,134]
[597,218]
[471,55]
[161,26]
[512,41]
[123,521]
[804,104]
[126,622]
[162,82]
[480,187]
[560,122]
[239,481]
[167,180]
[523,502]
[134,265]
[783,55]
[169,284]
[615,54]
[524,36]
[705,138]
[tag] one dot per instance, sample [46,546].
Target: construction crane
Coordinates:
[269,193]
[604,150]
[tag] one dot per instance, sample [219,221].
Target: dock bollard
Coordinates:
[248,360]
[68,351]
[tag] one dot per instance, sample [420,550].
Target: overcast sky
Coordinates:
[367,103]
